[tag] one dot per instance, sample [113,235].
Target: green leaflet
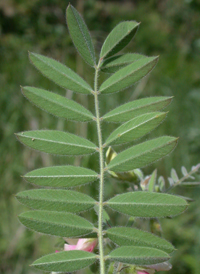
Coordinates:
[57,105]
[60,74]
[134,237]
[135,128]
[80,35]
[152,181]
[135,108]
[119,38]
[143,154]
[56,200]
[56,223]
[56,142]
[61,176]
[138,255]
[148,204]
[65,261]
[113,64]
[128,75]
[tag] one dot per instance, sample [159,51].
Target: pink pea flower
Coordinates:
[82,244]
[142,272]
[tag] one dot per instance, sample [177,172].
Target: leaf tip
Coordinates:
[17,135]
[138,24]
[166,112]
[22,88]
[69,6]
[30,53]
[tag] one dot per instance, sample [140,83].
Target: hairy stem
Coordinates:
[101,181]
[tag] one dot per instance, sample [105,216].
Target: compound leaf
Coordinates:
[143,154]
[57,105]
[65,261]
[56,200]
[56,142]
[135,128]
[148,204]
[60,74]
[128,75]
[80,35]
[134,237]
[61,176]
[56,223]
[113,64]
[138,255]
[119,38]
[135,108]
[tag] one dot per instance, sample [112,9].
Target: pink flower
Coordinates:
[82,244]
[142,272]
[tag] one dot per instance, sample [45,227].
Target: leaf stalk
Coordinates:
[101,179]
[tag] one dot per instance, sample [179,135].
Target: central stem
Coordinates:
[101,181]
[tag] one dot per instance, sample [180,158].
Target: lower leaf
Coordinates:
[66,261]
[56,200]
[138,255]
[56,223]
[148,204]
[134,237]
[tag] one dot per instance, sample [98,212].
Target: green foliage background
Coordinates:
[169,29]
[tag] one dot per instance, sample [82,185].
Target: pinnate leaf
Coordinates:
[135,128]
[128,75]
[57,105]
[135,108]
[134,237]
[65,261]
[61,176]
[56,142]
[56,223]
[148,204]
[56,200]
[119,38]
[138,255]
[143,154]
[80,35]
[60,74]
[113,64]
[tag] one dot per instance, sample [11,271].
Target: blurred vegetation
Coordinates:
[169,29]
